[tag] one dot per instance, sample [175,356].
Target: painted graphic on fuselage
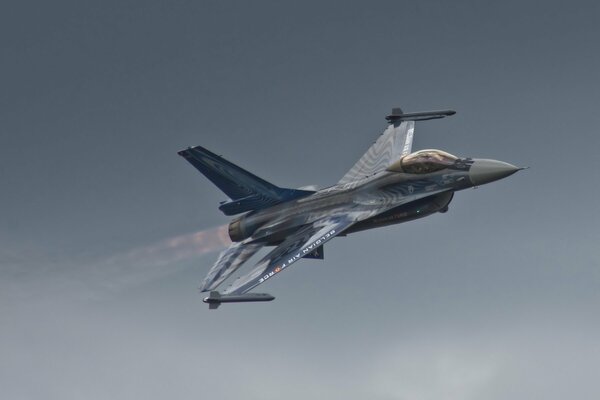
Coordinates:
[295,257]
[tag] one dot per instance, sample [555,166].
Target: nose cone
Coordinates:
[485,171]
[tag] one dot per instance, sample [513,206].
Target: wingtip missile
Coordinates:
[398,115]
[215,299]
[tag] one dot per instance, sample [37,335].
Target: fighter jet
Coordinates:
[388,185]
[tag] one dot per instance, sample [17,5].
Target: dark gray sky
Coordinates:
[105,232]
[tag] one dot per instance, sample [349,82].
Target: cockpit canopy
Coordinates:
[423,162]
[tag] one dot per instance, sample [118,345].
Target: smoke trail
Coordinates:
[35,273]
[173,250]
[150,262]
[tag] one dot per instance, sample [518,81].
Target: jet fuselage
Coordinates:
[409,196]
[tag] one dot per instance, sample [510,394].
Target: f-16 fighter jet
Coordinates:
[388,185]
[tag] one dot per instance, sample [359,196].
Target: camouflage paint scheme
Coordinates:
[388,185]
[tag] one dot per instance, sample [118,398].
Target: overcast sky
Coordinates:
[105,233]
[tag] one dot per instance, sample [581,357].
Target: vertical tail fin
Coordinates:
[246,190]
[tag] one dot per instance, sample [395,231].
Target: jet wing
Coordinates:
[394,142]
[228,262]
[296,246]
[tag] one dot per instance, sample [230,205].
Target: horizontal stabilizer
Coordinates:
[215,299]
[233,207]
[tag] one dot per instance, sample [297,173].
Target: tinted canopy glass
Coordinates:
[426,161]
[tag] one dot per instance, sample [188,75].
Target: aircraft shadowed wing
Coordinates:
[296,246]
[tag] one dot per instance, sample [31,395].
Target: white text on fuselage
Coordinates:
[295,257]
